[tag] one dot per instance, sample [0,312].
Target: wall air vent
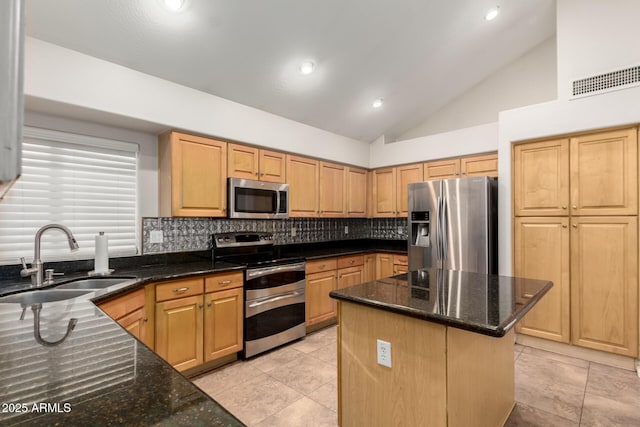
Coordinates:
[607,82]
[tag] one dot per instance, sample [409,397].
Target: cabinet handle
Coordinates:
[200,305]
[564,226]
[224,282]
[145,319]
[261,173]
[574,207]
[209,304]
[256,173]
[564,207]
[575,225]
[181,290]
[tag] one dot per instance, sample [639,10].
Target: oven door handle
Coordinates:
[274,299]
[259,272]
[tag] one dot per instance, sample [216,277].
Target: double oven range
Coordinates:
[274,289]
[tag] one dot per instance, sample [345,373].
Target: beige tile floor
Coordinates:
[295,385]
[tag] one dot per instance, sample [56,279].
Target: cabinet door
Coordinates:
[198,176]
[130,312]
[404,176]
[333,188]
[179,331]
[319,305]
[604,173]
[604,284]
[541,178]
[369,268]
[242,161]
[223,323]
[541,251]
[485,165]
[400,269]
[442,169]
[136,324]
[272,166]
[384,192]
[302,174]
[350,276]
[356,192]
[384,266]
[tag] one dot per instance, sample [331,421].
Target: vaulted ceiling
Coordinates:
[417,55]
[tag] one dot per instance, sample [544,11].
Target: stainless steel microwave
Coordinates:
[257,199]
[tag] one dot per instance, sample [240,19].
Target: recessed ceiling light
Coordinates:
[174,5]
[307,67]
[377,103]
[492,13]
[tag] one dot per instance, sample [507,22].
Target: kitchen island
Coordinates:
[451,341]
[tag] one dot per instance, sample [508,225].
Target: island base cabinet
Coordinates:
[433,381]
[179,331]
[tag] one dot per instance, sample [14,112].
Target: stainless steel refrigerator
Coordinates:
[453,224]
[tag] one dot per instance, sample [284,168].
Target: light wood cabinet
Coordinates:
[350,270]
[130,311]
[384,265]
[192,175]
[604,284]
[356,192]
[333,190]
[575,208]
[303,178]
[384,192]
[405,175]
[594,174]
[199,319]
[442,169]
[390,189]
[541,251]
[541,178]
[179,331]
[604,173]
[483,165]
[223,321]
[319,306]
[256,163]
[400,264]
[369,271]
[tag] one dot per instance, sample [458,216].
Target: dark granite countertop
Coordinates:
[101,375]
[487,304]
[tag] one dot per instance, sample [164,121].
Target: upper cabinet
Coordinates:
[192,175]
[442,169]
[303,178]
[484,165]
[333,190]
[256,163]
[356,192]
[390,189]
[594,174]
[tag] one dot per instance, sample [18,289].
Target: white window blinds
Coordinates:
[85,183]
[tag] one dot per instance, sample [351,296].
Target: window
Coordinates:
[85,183]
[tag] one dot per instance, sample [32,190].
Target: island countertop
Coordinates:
[486,304]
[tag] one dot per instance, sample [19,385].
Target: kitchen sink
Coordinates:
[43,296]
[94,283]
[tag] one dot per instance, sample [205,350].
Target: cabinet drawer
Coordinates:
[350,261]
[223,281]
[320,265]
[400,260]
[179,288]
[120,307]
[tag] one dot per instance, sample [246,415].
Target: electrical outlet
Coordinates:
[156,236]
[400,230]
[346,229]
[384,353]
[293,232]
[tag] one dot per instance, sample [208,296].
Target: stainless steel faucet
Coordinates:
[36,266]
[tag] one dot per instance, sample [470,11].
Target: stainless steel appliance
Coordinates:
[257,199]
[453,224]
[274,290]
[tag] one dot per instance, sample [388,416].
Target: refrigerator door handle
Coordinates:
[437,229]
[444,224]
[439,236]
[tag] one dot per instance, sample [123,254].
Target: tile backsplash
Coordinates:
[193,234]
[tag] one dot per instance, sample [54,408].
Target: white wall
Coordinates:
[147,156]
[530,79]
[471,140]
[55,75]
[595,37]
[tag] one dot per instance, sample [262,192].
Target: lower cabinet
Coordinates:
[369,273]
[321,277]
[400,264]
[199,320]
[384,265]
[130,311]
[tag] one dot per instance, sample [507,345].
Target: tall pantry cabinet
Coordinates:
[575,204]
